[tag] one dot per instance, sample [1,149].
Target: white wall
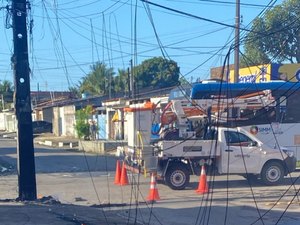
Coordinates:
[8,121]
[2,121]
[68,120]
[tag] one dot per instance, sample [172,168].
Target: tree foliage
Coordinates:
[98,81]
[157,72]
[6,87]
[275,36]
[82,125]
[75,90]
[6,92]
[120,81]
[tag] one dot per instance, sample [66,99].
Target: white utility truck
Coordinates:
[188,141]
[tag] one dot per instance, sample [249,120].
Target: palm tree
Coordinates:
[6,87]
[120,81]
[99,81]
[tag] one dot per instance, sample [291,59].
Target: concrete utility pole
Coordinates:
[22,101]
[237,43]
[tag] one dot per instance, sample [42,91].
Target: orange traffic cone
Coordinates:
[118,173]
[123,178]
[203,186]
[153,193]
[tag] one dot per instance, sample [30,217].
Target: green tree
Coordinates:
[120,82]
[99,81]
[156,72]
[254,46]
[75,91]
[275,36]
[82,126]
[6,87]
[183,81]
[6,93]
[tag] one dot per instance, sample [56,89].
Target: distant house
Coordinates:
[38,100]
[38,97]
[46,98]
[8,121]
[59,108]
[62,113]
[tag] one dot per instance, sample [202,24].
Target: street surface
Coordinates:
[87,180]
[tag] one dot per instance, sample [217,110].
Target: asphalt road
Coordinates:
[88,180]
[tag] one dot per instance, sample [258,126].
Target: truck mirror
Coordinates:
[253,143]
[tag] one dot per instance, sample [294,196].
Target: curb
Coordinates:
[58,144]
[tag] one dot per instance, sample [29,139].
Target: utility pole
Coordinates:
[22,101]
[128,83]
[132,80]
[237,43]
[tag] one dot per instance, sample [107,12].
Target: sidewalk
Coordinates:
[65,142]
[49,139]
[47,211]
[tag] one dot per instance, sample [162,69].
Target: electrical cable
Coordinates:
[276,140]
[61,56]
[136,60]
[227,3]
[192,16]
[252,191]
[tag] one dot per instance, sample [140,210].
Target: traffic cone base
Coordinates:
[153,193]
[118,173]
[124,177]
[203,185]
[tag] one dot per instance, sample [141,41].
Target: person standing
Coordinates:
[93,130]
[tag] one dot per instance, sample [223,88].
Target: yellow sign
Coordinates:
[115,118]
[253,74]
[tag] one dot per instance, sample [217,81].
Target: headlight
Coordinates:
[289,153]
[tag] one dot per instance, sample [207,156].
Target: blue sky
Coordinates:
[71,35]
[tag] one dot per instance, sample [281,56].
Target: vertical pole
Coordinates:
[237,43]
[109,85]
[132,80]
[22,101]
[128,83]
[3,103]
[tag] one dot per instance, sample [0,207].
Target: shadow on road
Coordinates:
[58,160]
[288,180]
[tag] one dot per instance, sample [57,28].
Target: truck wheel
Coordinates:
[272,173]
[177,177]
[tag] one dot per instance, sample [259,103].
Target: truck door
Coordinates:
[240,154]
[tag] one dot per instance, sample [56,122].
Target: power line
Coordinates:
[192,16]
[221,2]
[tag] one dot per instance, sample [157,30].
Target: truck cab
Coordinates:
[229,151]
[242,153]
